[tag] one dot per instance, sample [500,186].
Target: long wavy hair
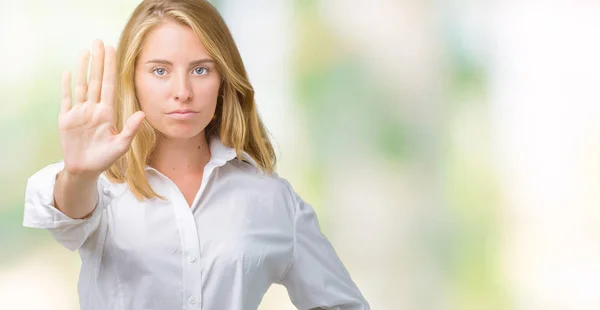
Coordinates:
[236,122]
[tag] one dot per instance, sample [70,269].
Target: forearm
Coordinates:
[76,195]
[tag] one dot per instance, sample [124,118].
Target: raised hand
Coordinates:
[88,135]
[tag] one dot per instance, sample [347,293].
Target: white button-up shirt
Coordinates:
[245,231]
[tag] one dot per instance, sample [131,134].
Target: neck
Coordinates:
[177,157]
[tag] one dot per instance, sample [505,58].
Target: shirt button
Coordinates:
[106,191]
[191,259]
[192,300]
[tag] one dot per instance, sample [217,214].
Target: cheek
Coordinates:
[144,85]
[209,89]
[148,92]
[141,92]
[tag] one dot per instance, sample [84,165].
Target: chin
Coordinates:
[181,133]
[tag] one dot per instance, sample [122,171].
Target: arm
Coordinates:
[66,203]
[75,195]
[317,279]
[41,212]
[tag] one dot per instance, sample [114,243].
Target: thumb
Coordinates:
[132,125]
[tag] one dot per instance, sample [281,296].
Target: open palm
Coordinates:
[88,135]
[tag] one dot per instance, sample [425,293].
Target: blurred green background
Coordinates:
[450,147]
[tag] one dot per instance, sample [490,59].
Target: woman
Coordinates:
[167,186]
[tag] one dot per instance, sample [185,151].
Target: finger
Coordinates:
[108,81]
[132,126]
[81,78]
[65,100]
[96,72]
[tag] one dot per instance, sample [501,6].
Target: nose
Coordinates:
[182,89]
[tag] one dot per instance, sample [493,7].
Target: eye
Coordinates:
[201,70]
[159,71]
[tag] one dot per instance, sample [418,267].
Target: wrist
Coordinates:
[78,176]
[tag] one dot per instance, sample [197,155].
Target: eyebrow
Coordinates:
[193,63]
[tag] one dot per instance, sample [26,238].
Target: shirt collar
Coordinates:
[221,154]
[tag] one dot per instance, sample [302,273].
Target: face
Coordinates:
[176,82]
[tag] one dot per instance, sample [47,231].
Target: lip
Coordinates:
[182,114]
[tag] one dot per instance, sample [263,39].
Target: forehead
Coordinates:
[173,41]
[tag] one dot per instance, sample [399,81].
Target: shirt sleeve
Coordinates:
[40,211]
[316,278]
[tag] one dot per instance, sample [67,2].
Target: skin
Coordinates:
[175,72]
[88,137]
[178,81]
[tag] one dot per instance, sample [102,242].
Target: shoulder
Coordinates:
[248,178]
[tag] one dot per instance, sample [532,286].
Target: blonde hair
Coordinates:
[236,122]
